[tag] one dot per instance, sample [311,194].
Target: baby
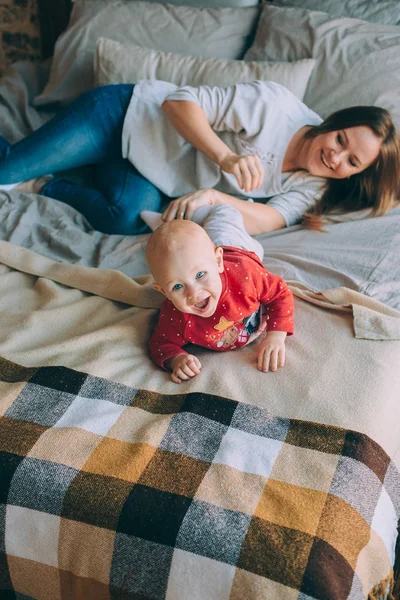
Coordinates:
[218,297]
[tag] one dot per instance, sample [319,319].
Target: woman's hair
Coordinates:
[377,186]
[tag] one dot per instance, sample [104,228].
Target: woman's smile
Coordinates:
[324,161]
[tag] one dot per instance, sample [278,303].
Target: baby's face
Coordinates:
[191,280]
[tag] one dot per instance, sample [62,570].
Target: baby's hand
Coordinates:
[184,366]
[271,351]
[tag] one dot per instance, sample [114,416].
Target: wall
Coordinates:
[19,31]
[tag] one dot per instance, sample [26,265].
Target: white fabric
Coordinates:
[129,63]
[251,118]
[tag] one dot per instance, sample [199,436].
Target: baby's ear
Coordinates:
[219,256]
[157,287]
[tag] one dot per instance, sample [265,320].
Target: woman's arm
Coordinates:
[191,122]
[258,218]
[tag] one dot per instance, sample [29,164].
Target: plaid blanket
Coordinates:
[109,492]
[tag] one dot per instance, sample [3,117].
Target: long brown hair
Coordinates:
[377,186]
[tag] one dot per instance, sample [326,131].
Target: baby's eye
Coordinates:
[200,274]
[340,139]
[351,161]
[177,286]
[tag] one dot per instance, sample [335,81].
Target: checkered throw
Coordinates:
[109,492]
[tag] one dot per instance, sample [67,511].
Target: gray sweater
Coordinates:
[259,117]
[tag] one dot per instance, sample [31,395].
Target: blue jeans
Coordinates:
[88,132]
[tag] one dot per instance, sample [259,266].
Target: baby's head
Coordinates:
[186,267]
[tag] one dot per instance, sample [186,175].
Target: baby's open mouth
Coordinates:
[203,304]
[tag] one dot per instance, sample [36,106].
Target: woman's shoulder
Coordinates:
[303,181]
[268,89]
[285,101]
[274,89]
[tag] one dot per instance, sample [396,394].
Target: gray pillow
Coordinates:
[386,12]
[356,62]
[207,32]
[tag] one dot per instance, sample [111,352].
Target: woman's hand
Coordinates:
[184,207]
[247,169]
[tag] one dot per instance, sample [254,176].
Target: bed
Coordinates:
[118,484]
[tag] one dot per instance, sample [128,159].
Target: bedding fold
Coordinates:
[371,319]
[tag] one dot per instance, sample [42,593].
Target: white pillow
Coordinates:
[356,62]
[208,32]
[128,63]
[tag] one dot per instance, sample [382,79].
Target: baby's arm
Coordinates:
[166,346]
[183,366]
[278,299]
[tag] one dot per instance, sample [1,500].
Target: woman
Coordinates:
[152,142]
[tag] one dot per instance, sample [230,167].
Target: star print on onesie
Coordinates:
[251,301]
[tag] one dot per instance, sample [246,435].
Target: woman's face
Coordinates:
[340,154]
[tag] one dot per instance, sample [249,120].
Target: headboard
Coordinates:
[53,19]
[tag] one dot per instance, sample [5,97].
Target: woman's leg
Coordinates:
[87,132]
[113,206]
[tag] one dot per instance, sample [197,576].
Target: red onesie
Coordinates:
[247,288]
